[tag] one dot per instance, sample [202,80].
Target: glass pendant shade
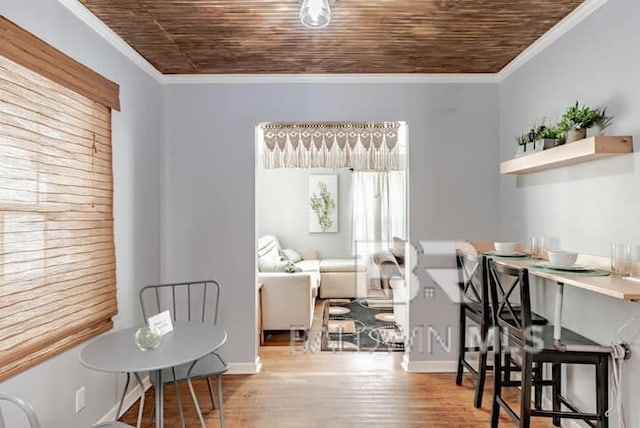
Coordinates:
[315,13]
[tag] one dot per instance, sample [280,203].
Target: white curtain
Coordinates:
[378,210]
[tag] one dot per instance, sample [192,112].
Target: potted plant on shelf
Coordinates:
[521,141]
[538,138]
[532,139]
[575,121]
[547,137]
[601,122]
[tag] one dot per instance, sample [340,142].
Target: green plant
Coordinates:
[522,140]
[549,133]
[576,117]
[603,120]
[534,133]
[539,132]
[323,205]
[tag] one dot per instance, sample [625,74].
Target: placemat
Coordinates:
[590,272]
[516,256]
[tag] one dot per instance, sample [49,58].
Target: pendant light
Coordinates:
[315,13]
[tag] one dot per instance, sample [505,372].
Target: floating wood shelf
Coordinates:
[569,154]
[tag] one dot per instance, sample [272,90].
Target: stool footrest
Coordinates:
[564,415]
[470,368]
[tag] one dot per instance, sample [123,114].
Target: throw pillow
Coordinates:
[398,249]
[268,247]
[274,265]
[292,268]
[292,255]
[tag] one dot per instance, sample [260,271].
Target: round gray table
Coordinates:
[116,352]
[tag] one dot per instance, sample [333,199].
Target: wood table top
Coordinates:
[611,285]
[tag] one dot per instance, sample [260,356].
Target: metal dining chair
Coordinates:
[27,409]
[117,424]
[22,405]
[112,425]
[196,301]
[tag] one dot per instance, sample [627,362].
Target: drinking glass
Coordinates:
[621,259]
[538,247]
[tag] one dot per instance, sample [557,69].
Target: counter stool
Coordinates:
[512,319]
[475,305]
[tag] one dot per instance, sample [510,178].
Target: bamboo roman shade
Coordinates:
[57,256]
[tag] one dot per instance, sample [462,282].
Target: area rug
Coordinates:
[360,325]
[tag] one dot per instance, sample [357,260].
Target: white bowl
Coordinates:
[505,247]
[562,258]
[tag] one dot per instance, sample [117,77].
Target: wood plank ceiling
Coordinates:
[365,36]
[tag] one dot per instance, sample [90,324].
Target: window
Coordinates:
[378,210]
[57,256]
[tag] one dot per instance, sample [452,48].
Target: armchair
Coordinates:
[288,300]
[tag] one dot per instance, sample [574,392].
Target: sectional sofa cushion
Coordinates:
[342,265]
[266,264]
[309,265]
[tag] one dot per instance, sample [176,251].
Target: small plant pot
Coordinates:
[520,151]
[547,143]
[534,147]
[576,134]
[594,131]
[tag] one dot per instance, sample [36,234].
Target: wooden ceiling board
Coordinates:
[364,36]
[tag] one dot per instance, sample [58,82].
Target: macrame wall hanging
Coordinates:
[363,146]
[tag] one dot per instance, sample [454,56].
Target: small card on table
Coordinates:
[161,323]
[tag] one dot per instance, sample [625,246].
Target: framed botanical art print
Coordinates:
[323,203]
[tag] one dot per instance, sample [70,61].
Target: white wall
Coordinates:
[588,206]
[137,137]
[282,197]
[209,221]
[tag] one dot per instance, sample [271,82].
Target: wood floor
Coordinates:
[324,389]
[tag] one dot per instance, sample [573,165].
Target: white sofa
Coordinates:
[343,279]
[288,299]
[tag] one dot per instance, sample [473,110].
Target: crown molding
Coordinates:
[564,26]
[86,16]
[330,78]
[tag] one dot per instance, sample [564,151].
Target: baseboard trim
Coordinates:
[428,366]
[130,399]
[405,362]
[245,368]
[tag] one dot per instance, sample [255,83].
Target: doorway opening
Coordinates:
[331,231]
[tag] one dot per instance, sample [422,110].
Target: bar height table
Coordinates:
[116,352]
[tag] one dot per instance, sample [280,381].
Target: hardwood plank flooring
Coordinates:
[324,389]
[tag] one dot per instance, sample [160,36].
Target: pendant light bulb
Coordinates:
[315,13]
